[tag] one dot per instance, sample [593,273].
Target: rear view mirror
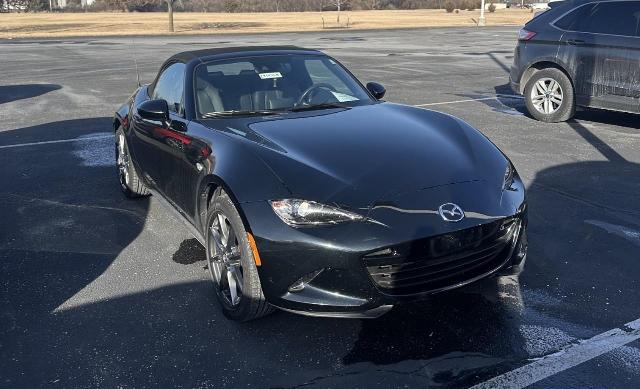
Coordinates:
[154,110]
[377,90]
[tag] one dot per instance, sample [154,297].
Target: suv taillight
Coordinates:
[525,35]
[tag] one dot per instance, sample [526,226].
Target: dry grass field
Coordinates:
[40,25]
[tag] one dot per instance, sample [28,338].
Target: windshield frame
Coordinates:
[370,99]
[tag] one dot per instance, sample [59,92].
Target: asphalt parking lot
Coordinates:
[100,291]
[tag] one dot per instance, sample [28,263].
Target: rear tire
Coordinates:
[549,96]
[231,262]
[130,183]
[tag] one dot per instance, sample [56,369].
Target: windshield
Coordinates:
[272,84]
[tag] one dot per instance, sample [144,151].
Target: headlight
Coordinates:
[509,175]
[309,213]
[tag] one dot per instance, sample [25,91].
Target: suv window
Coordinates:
[572,20]
[614,18]
[170,87]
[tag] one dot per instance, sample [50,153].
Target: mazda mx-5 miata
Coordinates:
[311,194]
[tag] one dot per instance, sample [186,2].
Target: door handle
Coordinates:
[575,42]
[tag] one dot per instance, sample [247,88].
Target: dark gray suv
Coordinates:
[579,53]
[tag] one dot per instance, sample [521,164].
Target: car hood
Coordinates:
[366,154]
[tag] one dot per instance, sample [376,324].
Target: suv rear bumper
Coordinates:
[515,86]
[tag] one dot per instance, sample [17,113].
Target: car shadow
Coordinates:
[621,119]
[584,229]
[64,222]
[586,211]
[459,335]
[9,93]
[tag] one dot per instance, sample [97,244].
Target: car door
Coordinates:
[163,149]
[600,47]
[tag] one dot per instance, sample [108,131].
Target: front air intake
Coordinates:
[444,261]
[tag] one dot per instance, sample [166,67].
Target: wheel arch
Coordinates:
[541,65]
[207,189]
[116,123]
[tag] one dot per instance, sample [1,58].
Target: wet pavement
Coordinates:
[98,290]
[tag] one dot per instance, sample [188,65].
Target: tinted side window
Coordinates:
[614,18]
[617,18]
[571,21]
[170,87]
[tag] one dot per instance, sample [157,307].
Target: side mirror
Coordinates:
[376,90]
[155,110]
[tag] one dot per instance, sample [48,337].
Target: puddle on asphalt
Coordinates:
[95,149]
[507,105]
[190,251]
[461,336]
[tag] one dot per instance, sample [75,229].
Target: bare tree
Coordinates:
[338,5]
[170,9]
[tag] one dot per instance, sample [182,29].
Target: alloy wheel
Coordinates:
[547,96]
[225,263]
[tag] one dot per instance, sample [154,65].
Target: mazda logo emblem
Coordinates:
[451,212]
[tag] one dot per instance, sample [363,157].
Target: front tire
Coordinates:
[130,183]
[231,262]
[549,96]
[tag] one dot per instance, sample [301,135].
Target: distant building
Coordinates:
[63,3]
[8,7]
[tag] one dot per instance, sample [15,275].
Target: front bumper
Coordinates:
[328,271]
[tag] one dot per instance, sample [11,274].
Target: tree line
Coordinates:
[232,5]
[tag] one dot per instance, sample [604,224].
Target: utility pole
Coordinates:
[481,20]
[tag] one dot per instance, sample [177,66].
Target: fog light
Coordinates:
[299,285]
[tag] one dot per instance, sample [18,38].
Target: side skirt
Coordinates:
[178,216]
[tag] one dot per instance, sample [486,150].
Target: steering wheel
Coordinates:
[308,94]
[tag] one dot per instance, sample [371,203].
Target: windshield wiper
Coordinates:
[238,113]
[318,106]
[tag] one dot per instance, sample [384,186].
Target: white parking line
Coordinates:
[515,97]
[624,232]
[55,141]
[566,358]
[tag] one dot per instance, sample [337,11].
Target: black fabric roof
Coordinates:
[204,54]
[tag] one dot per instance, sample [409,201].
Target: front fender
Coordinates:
[236,169]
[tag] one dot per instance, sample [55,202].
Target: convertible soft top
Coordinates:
[227,52]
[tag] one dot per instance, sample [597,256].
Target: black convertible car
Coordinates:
[311,194]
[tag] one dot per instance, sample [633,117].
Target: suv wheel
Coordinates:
[549,96]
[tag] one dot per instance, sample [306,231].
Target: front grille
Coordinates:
[444,261]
